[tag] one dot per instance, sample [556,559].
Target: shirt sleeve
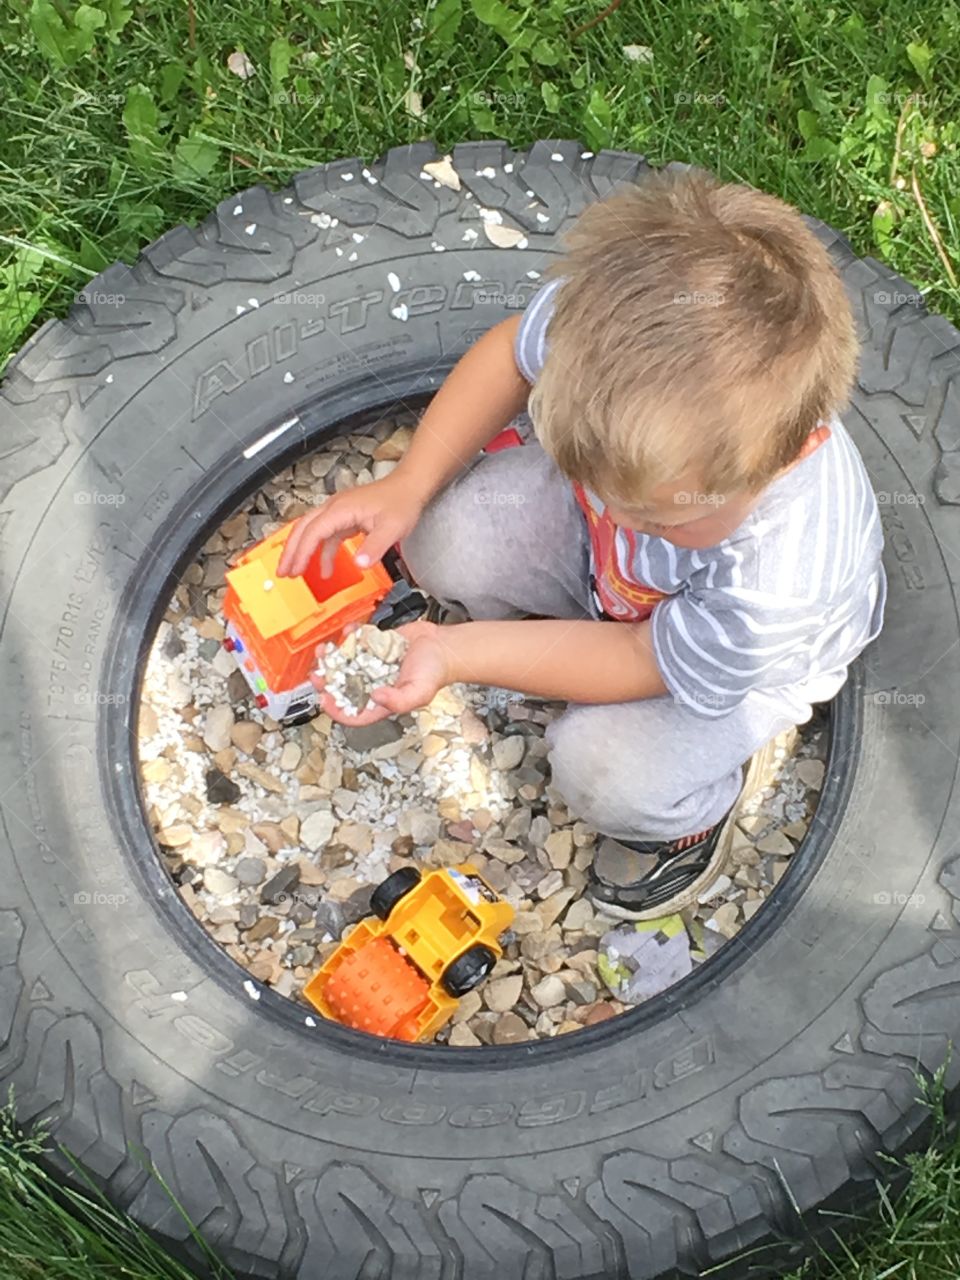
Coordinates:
[714,645]
[530,346]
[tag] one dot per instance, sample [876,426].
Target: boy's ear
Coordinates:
[818,436]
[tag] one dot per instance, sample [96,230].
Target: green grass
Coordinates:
[121,121]
[49,1231]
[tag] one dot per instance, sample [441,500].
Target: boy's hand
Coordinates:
[385,510]
[423,672]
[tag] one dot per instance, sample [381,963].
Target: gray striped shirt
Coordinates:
[788,600]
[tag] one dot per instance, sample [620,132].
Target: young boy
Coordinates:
[693,531]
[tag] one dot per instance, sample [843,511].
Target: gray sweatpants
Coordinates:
[508,539]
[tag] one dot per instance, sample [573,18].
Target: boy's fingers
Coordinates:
[344,717]
[307,534]
[290,559]
[377,542]
[331,546]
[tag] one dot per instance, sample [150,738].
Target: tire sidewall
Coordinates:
[116,961]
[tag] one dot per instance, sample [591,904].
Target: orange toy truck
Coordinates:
[437,938]
[275,624]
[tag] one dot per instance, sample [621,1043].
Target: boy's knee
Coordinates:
[589,774]
[436,554]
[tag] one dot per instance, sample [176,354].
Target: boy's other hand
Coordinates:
[423,672]
[385,510]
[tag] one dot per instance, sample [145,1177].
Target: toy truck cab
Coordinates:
[401,977]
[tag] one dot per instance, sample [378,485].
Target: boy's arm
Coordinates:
[482,393]
[581,661]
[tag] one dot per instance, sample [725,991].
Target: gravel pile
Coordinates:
[275,837]
[366,658]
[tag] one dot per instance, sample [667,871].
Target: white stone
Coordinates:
[549,991]
[217,724]
[714,890]
[501,994]
[317,829]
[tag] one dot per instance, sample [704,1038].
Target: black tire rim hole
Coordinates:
[208,506]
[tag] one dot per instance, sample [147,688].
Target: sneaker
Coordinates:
[651,878]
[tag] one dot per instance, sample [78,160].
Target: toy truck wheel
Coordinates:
[468,970]
[389,892]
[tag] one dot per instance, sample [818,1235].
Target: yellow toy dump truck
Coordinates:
[437,937]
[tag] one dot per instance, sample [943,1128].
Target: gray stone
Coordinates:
[518,824]
[223,915]
[715,890]
[329,918]
[508,752]
[470,1004]
[237,688]
[220,788]
[581,991]
[280,886]
[539,831]
[423,826]
[510,1029]
[811,773]
[302,911]
[367,736]
[551,883]
[250,871]
[357,906]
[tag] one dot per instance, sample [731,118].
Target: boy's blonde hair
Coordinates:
[700,329]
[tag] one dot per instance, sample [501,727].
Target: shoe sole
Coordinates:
[760,771]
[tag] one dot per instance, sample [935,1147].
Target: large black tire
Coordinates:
[720,1117]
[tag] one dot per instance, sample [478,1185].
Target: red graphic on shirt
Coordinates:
[621,597]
